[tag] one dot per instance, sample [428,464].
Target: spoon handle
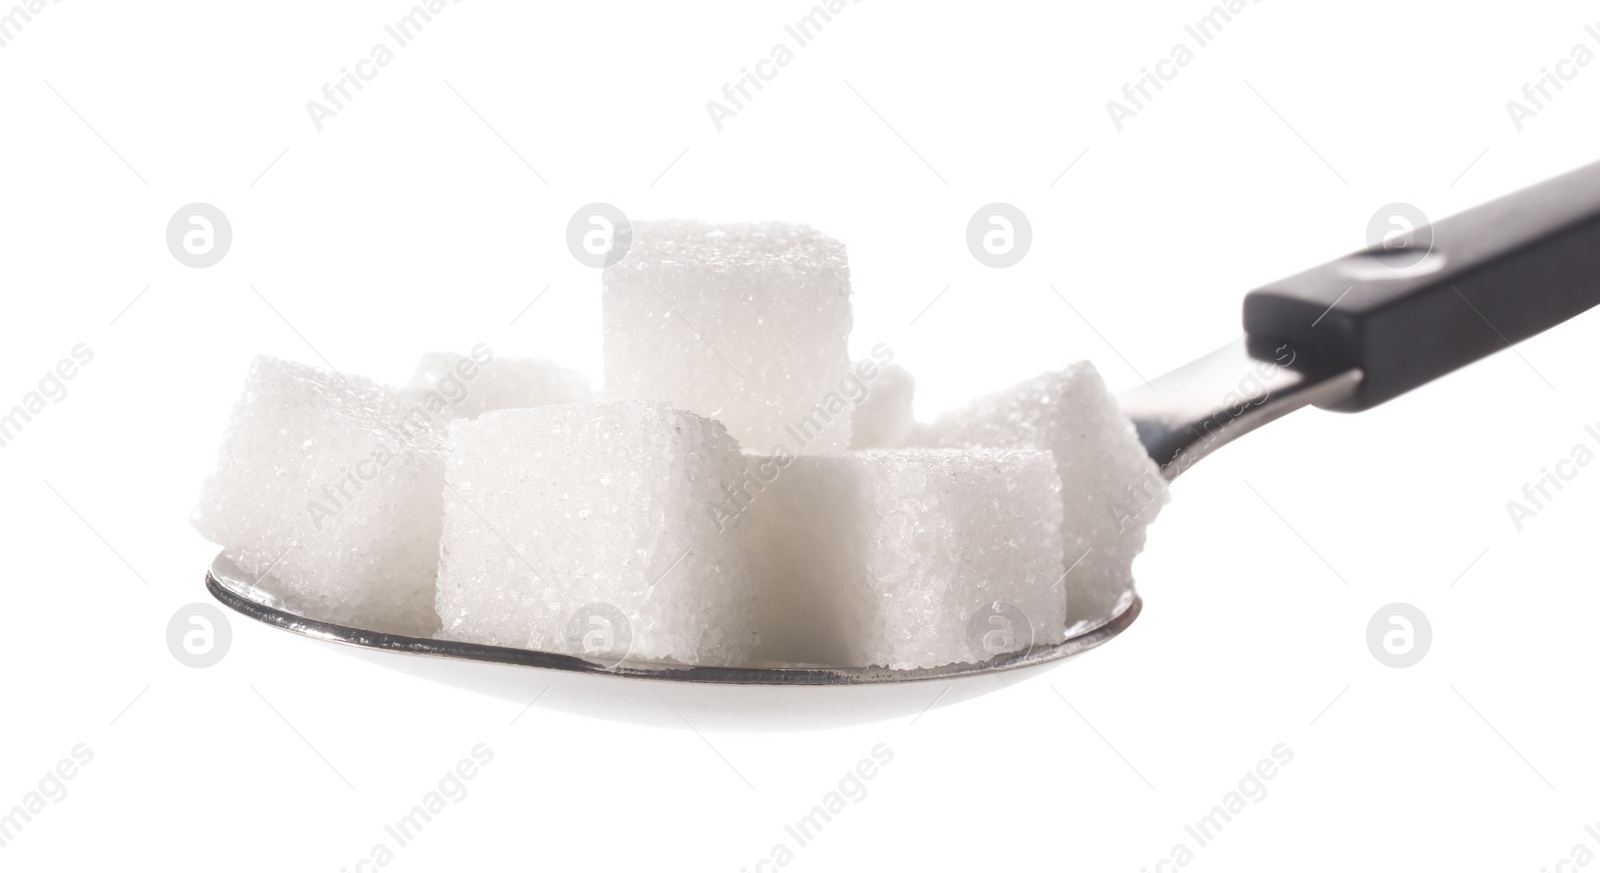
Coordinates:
[1431,299]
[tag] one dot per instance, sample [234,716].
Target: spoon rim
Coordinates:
[235,594]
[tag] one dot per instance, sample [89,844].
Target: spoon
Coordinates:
[1345,336]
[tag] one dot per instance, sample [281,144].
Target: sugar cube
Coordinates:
[327,490]
[557,516]
[466,386]
[902,558]
[1110,489]
[884,418]
[744,323]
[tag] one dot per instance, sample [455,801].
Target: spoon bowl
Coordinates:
[671,695]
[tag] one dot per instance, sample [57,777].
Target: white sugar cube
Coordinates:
[906,559]
[1110,489]
[327,488]
[744,323]
[884,417]
[466,386]
[558,515]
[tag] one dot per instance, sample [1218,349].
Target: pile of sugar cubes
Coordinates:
[741,493]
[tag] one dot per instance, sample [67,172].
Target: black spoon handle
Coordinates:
[1433,299]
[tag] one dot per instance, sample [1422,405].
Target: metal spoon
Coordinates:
[1344,336]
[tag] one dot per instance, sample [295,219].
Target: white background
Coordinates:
[407,224]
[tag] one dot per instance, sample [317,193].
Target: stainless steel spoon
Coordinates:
[1345,336]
